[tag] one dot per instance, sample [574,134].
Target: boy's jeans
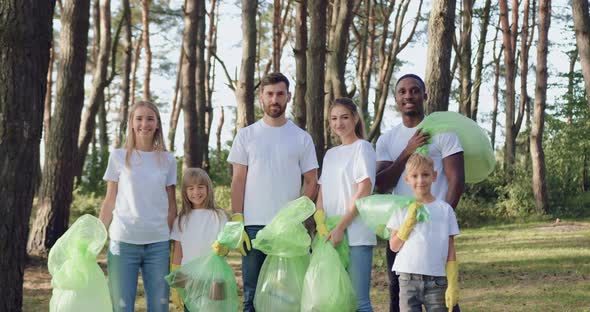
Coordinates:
[417,290]
[361,259]
[123,264]
[251,265]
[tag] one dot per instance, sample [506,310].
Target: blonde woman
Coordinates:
[139,209]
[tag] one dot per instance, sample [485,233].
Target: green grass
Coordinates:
[516,267]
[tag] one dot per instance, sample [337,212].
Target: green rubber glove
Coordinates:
[408,226]
[219,249]
[320,222]
[245,245]
[452,293]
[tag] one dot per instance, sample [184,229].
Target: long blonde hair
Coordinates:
[196,176]
[158,141]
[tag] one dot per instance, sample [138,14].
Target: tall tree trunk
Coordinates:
[537,154]
[276,36]
[125,75]
[210,75]
[103,132]
[25,41]
[441,27]
[219,129]
[316,60]
[495,97]
[245,85]
[61,156]
[47,103]
[365,59]
[570,86]
[99,82]
[134,66]
[465,58]
[145,19]
[176,106]
[200,92]
[189,42]
[582,28]
[299,107]
[485,21]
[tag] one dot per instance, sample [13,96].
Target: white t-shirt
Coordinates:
[391,144]
[276,158]
[199,231]
[426,250]
[141,208]
[344,167]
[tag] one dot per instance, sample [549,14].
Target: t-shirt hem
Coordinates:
[129,241]
[453,152]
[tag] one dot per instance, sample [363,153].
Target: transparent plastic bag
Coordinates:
[375,211]
[280,283]
[477,151]
[78,282]
[342,249]
[327,286]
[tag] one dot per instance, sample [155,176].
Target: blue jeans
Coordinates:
[251,265]
[417,290]
[123,264]
[361,262]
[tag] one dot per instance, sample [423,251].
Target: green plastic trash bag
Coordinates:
[208,283]
[327,286]
[477,150]
[78,282]
[343,249]
[375,211]
[285,235]
[280,284]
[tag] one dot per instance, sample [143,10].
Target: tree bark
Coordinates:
[191,144]
[61,156]
[210,75]
[316,60]
[200,92]
[365,60]
[276,36]
[25,41]
[125,75]
[495,96]
[465,58]
[299,107]
[245,85]
[47,103]
[537,154]
[134,66]
[485,21]
[219,129]
[99,82]
[438,67]
[145,19]
[176,106]
[582,29]
[570,86]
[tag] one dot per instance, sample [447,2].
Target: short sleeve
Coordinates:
[365,163]
[382,152]
[308,160]
[171,174]
[395,220]
[448,143]
[453,225]
[113,169]
[175,234]
[238,153]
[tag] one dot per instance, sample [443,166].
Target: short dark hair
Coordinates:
[273,78]
[413,76]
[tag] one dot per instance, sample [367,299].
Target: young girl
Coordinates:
[140,202]
[348,174]
[198,223]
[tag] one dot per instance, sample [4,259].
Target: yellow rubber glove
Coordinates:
[219,249]
[408,226]
[174,296]
[245,245]
[452,294]
[319,217]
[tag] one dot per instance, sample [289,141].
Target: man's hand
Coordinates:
[452,293]
[404,232]
[320,222]
[245,245]
[417,140]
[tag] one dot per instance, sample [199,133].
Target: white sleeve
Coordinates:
[113,170]
[448,143]
[175,233]
[382,152]
[238,153]
[365,163]
[171,174]
[453,225]
[395,221]
[308,159]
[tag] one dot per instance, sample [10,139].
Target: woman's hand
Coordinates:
[336,236]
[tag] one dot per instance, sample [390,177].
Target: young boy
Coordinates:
[425,248]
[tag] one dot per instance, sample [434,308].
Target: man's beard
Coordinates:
[412,113]
[274,113]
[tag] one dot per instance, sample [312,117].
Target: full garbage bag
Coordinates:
[375,211]
[208,283]
[79,284]
[327,286]
[477,151]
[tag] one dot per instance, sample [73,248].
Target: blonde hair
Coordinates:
[196,176]
[158,140]
[419,160]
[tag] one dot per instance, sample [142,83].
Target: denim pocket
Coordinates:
[441,282]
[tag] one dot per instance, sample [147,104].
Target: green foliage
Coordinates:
[85,203]
[223,197]
[219,168]
[94,168]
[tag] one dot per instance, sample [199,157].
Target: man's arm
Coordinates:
[310,184]
[455,171]
[238,187]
